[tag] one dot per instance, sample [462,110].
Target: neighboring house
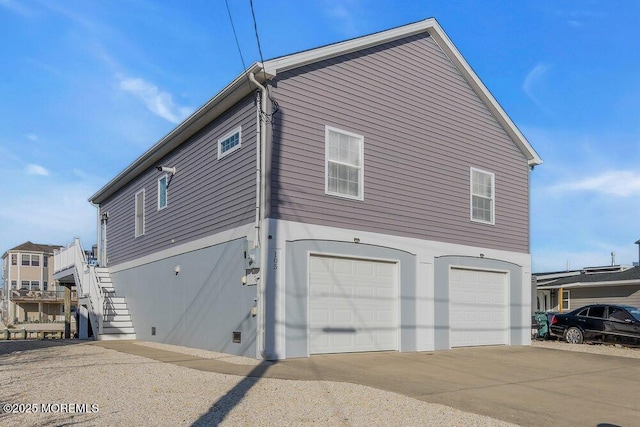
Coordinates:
[566,291]
[372,195]
[30,291]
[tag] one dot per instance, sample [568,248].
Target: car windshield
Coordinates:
[635,312]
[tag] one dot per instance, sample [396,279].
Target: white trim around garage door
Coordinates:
[481,308]
[346,316]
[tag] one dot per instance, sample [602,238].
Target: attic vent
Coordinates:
[237,337]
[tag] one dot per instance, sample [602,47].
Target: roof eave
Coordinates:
[481,90]
[227,97]
[591,284]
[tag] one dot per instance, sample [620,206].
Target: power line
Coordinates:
[274,103]
[255,28]
[233,27]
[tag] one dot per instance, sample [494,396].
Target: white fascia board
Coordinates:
[431,26]
[226,98]
[296,60]
[592,284]
[481,90]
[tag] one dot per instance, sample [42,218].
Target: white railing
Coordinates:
[73,256]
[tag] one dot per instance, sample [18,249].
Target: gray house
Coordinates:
[566,291]
[366,195]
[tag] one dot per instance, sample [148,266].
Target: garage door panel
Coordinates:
[359,305]
[478,308]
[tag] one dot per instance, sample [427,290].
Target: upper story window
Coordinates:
[14,284]
[344,163]
[29,260]
[230,142]
[14,259]
[139,213]
[45,261]
[482,196]
[163,185]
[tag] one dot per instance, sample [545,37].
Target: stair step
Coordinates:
[115,300]
[110,311]
[121,304]
[118,330]
[117,318]
[113,337]
[119,324]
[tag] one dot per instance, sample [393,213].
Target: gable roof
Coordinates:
[33,247]
[241,87]
[628,276]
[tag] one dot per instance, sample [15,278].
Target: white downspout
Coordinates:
[261,136]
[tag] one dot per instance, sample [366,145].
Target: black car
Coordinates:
[598,322]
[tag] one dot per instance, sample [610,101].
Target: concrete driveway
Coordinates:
[524,385]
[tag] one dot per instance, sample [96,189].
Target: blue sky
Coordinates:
[87,86]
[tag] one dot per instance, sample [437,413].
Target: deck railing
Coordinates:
[40,296]
[73,257]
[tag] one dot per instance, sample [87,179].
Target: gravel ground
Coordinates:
[134,391]
[606,349]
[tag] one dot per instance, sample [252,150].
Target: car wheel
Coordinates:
[573,335]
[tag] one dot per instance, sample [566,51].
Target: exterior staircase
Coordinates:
[116,320]
[98,303]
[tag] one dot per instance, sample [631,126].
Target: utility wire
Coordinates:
[233,27]
[255,28]
[274,103]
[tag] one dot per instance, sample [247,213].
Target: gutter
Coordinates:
[592,284]
[217,105]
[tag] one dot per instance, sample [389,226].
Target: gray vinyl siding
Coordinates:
[423,129]
[205,196]
[629,295]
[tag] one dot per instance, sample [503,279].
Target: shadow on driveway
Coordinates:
[528,386]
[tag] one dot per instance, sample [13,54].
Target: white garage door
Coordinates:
[478,307]
[352,305]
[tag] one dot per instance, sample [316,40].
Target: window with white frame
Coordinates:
[35,260]
[482,196]
[35,285]
[139,213]
[163,185]
[26,259]
[344,163]
[14,284]
[14,259]
[566,300]
[45,261]
[230,142]
[24,284]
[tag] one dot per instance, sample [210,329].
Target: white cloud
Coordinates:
[58,213]
[533,81]
[33,169]
[158,102]
[340,11]
[613,183]
[32,136]
[16,7]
